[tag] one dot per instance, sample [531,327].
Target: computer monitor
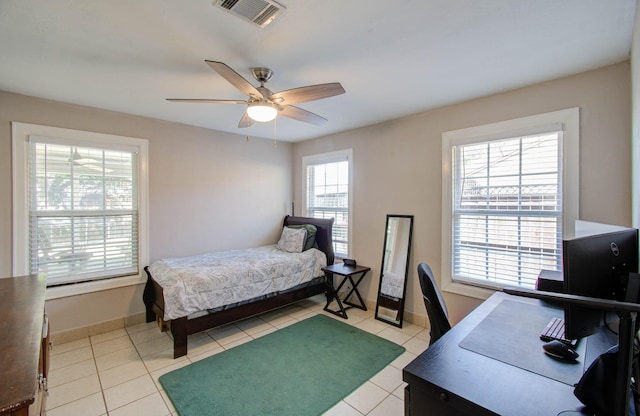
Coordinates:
[596,263]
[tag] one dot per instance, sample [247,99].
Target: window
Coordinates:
[327,193]
[509,195]
[79,204]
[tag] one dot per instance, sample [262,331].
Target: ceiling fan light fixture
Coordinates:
[261,111]
[262,104]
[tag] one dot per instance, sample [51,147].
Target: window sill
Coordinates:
[469,290]
[91,287]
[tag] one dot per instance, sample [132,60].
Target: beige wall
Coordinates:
[397,166]
[208,191]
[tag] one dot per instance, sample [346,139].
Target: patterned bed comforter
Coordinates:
[207,281]
[393,285]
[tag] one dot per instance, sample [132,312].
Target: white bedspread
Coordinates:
[393,285]
[207,281]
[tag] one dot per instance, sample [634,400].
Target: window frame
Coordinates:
[329,157]
[20,176]
[568,121]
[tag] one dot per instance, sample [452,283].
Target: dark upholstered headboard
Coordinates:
[323,235]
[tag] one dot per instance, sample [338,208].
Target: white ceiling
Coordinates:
[394,58]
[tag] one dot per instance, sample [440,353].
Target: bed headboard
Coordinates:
[323,235]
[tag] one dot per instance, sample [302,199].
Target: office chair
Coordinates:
[433,300]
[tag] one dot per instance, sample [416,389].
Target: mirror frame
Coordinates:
[401,303]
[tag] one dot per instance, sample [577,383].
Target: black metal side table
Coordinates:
[348,273]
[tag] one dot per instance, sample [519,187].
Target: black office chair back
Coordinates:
[433,300]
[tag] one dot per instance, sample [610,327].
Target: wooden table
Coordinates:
[348,274]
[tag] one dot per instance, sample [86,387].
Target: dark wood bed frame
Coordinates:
[182,327]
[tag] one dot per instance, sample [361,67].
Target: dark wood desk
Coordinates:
[447,379]
[24,339]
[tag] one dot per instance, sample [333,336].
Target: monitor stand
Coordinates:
[626,338]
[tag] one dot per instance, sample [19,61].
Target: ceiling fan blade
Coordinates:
[308,93]
[245,121]
[204,100]
[299,114]
[234,79]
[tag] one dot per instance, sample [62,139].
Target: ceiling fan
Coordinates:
[264,105]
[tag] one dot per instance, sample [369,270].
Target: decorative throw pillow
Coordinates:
[310,241]
[292,240]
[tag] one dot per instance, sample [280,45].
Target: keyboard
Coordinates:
[555,331]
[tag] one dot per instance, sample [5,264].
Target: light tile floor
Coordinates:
[116,373]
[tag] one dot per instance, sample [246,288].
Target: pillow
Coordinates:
[292,240]
[310,241]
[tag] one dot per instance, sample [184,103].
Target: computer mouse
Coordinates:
[560,350]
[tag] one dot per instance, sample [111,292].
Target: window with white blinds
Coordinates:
[327,190]
[506,206]
[507,209]
[83,220]
[83,209]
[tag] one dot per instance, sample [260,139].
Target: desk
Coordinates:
[447,379]
[347,273]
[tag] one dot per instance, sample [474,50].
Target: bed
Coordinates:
[190,317]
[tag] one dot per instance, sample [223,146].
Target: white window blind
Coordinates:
[83,211]
[507,209]
[327,194]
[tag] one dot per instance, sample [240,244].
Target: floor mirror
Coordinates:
[393,272]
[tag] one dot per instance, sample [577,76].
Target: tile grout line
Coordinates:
[68,382]
[158,390]
[95,363]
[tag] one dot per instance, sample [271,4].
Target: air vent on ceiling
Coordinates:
[258,12]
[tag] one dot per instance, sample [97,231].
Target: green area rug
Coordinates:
[303,369]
